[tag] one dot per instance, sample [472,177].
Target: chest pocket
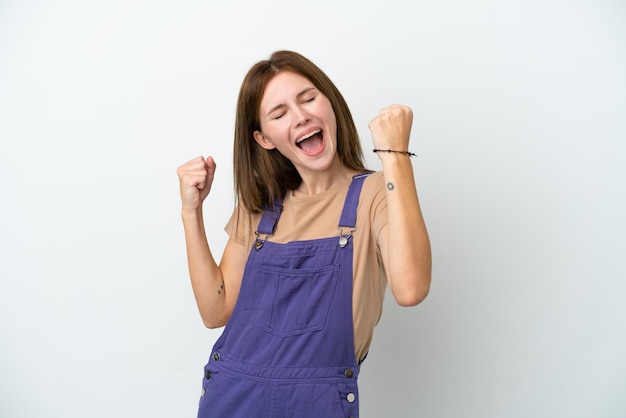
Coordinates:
[294,301]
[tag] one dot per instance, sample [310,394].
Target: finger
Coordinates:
[190,165]
[193,177]
[210,164]
[396,110]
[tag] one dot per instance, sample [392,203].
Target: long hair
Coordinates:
[261,175]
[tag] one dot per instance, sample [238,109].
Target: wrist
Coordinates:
[394,152]
[191,214]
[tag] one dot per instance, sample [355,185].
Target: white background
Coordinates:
[520,127]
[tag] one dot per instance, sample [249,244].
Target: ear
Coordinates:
[263,141]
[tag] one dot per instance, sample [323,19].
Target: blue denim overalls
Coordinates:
[288,348]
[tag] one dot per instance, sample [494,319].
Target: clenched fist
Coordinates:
[391,128]
[196,177]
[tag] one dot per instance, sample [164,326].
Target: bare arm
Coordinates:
[407,245]
[215,287]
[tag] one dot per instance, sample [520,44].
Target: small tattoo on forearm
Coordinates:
[390,186]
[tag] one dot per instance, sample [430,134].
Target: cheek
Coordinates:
[330,115]
[333,122]
[276,134]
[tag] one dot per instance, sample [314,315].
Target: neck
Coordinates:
[315,182]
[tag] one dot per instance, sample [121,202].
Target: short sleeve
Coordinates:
[240,226]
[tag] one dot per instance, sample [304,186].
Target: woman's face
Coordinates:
[299,121]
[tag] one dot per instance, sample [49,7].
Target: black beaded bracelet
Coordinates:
[409,153]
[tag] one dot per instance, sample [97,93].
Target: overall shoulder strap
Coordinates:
[270,218]
[348,215]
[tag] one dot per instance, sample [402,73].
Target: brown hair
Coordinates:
[262,175]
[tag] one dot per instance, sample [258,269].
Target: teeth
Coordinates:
[308,136]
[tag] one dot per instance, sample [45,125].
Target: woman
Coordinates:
[314,240]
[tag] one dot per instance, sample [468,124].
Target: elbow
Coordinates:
[411,298]
[214,318]
[213,322]
[411,291]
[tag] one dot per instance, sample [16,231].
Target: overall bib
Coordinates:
[288,348]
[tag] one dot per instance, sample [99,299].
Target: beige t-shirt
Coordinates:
[317,216]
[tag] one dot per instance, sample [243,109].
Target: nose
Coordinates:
[301,117]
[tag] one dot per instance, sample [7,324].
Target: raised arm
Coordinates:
[215,287]
[406,245]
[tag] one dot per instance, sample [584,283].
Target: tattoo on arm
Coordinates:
[390,186]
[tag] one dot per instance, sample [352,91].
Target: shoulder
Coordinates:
[241,225]
[373,199]
[374,188]
[375,180]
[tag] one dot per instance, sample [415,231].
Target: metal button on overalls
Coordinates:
[288,347]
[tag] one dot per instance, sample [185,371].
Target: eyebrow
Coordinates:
[298,97]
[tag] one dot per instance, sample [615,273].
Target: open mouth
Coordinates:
[311,142]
